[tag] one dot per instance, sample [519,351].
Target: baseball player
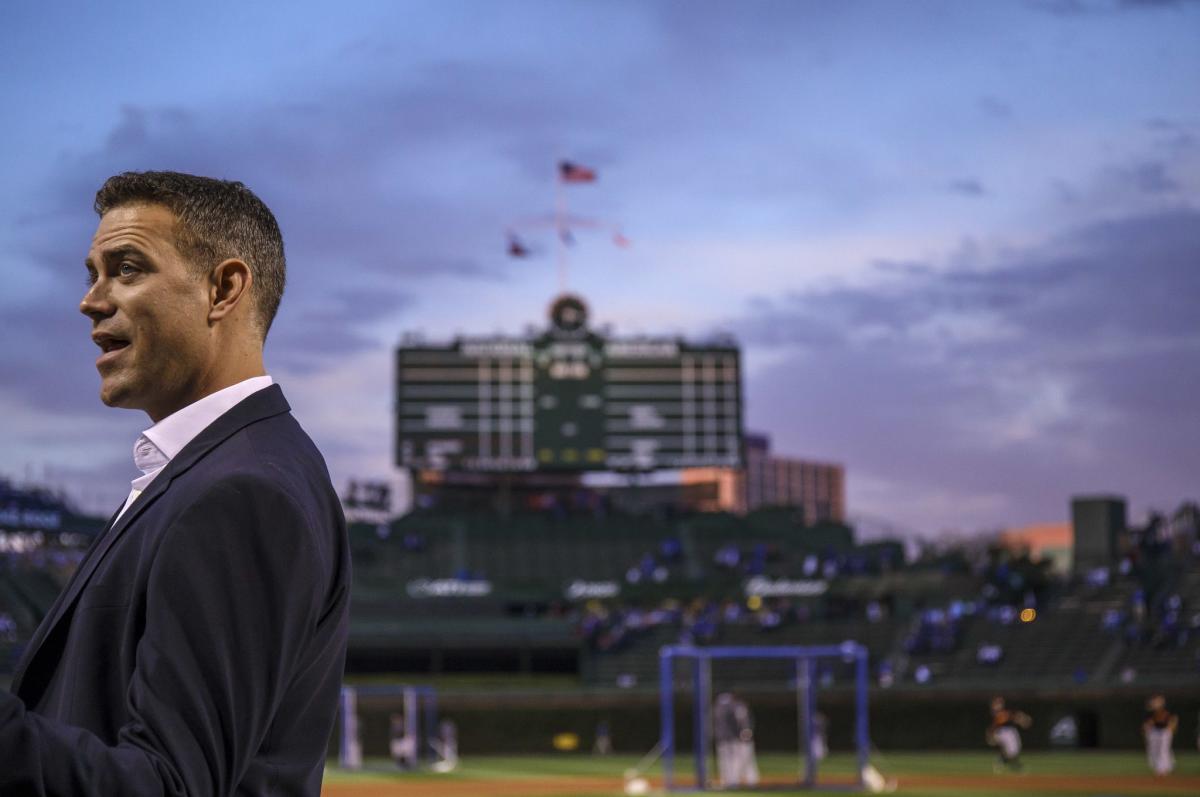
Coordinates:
[747,761]
[734,732]
[403,743]
[1159,731]
[1004,733]
[445,744]
[820,743]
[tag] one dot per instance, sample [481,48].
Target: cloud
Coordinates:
[995,107]
[1064,367]
[357,178]
[1172,136]
[1081,7]
[967,186]
[385,190]
[316,338]
[395,166]
[1151,4]
[1151,177]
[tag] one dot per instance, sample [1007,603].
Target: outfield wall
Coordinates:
[900,720]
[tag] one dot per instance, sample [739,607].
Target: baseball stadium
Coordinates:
[602,584]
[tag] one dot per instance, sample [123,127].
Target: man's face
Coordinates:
[149,313]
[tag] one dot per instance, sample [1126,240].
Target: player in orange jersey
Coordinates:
[1004,733]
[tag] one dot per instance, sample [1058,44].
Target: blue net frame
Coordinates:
[805,658]
[422,722]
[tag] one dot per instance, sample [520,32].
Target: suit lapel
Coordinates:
[39,633]
[257,406]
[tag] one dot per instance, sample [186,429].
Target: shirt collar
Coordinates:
[159,444]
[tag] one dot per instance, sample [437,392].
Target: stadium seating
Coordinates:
[1082,634]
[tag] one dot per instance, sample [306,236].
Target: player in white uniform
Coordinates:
[734,731]
[445,744]
[747,761]
[403,743]
[820,739]
[1159,731]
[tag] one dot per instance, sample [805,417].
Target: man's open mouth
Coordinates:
[109,345]
[112,344]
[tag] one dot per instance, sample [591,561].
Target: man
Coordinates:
[403,742]
[1004,733]
[747,762]
[199,648]
[1159,732]
[725,731]
[733,728]
[446,746]
[820,739]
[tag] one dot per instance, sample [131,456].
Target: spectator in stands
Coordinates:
[727,556]
[770,618]
[1113,620]
[756,563]
[887,674]
[671,550]
[700,624]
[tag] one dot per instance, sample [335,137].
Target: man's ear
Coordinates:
[228,288]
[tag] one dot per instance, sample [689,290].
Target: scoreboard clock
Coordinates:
[568,399]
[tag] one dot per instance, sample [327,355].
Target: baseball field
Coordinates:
[1097,774]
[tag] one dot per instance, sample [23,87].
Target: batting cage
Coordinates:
[403,714]
[721,684]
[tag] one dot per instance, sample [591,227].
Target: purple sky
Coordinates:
[959,242]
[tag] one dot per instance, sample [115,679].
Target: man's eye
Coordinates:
[126,270]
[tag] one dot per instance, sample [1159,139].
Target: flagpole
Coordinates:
[560,213]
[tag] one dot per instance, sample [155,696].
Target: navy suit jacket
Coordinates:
[199,648]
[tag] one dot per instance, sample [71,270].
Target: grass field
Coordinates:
[916,775]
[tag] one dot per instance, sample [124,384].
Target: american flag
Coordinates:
[574,173]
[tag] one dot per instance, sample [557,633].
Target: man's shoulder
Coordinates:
[270,455]
[274,439]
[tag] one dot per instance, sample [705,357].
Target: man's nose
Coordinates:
[95,303]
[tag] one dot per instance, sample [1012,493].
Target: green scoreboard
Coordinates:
[568,399]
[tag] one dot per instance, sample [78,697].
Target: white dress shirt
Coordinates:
[159,444]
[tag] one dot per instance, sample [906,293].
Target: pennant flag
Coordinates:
[574,173]
[516,248]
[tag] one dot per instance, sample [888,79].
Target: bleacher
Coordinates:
[520,553]
[526,561]
[1061,647]
[1165,659]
